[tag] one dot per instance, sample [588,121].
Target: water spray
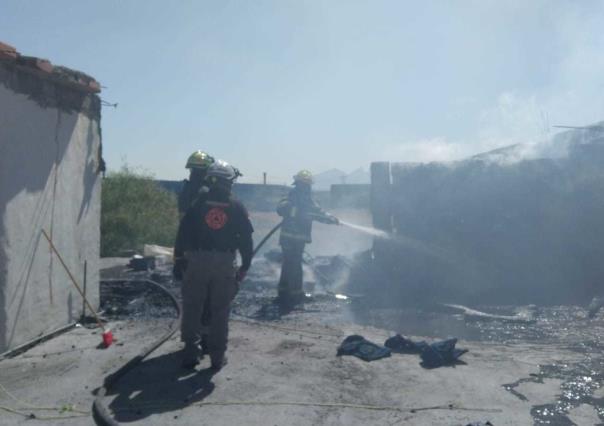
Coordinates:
[403,240]
[367,230]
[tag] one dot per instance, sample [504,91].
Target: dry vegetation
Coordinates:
[135,211]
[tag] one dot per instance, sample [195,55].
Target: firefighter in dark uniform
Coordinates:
[209,235]
[298,211]
[198,164]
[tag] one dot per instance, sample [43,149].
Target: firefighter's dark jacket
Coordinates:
[298,211]
[189,193]
[217,222]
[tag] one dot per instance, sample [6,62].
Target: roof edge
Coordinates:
[44,69]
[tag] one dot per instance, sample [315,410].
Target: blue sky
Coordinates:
[281,85]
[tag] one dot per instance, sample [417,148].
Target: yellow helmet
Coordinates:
[199,160]
[303,176]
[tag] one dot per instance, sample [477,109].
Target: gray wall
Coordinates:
[49,161]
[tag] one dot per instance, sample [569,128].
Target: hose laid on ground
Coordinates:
[100,412]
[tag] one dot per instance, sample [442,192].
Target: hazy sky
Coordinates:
[281,85]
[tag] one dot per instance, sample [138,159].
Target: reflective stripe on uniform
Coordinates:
[294,236]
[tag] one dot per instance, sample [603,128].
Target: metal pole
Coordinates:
[85,279]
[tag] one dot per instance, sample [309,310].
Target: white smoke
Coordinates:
[569,92]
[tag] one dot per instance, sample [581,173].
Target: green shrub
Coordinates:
[135,211]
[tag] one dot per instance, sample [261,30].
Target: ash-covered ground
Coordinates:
[566,328]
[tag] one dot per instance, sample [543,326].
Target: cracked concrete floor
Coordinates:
[281,372]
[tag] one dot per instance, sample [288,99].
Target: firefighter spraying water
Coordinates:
[298,211]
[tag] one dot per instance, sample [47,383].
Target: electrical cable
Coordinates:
[28,409]
[451,407]
[42,417]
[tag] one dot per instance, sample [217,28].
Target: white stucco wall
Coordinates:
[48,180]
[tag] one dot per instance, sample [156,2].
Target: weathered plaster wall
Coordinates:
[49,160]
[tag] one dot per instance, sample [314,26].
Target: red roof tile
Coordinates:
[7,51]
[63,75]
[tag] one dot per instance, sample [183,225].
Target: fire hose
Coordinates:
[265,239]
[100,412]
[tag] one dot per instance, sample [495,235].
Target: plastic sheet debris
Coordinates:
[154,250]
[439,354]
[163,255]
[362,348]
[433,355]
[403,345]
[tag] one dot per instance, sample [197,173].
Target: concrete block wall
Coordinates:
[49,179]
[483,231]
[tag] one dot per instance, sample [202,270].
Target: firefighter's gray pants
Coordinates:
[291,281]
[209,275]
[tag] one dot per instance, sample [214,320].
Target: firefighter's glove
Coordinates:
[180,265]
[240,276]
[334,220]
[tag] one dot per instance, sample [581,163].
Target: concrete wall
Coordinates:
[49,163]
[485,230]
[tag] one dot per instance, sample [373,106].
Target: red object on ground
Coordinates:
[107,338]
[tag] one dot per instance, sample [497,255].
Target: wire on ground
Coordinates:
[452,407]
